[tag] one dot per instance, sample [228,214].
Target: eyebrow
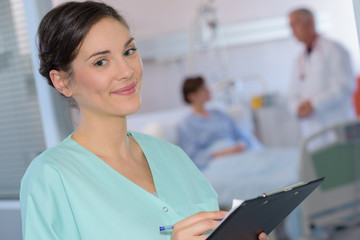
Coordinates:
[129,41]
[98,53]
[108,51]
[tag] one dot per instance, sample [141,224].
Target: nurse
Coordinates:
[102,181]
[323,80]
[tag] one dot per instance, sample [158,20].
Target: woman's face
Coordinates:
[107,72]
[201,96]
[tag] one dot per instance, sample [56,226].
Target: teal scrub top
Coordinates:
[69,193]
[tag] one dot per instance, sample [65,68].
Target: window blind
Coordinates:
[21,134]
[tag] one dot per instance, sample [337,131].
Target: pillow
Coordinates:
[166,131]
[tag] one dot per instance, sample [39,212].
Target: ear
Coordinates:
[61,82]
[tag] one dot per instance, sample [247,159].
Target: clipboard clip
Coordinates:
[284,189]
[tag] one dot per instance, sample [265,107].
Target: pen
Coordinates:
[170,227]
[165,228]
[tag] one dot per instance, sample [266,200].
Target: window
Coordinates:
[21,133]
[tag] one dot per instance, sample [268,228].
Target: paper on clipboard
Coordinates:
[235,204]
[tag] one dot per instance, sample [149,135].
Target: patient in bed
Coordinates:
[207,134]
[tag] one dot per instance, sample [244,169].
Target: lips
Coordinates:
[128,90]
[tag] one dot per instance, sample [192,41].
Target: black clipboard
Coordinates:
[262,214]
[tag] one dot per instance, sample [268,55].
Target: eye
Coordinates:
[130,51]
[100,63]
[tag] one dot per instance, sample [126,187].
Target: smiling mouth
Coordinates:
[128,90]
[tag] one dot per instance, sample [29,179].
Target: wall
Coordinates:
[250,62]
[269,61]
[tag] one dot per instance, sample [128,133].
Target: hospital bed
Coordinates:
[244,175]
[249,174]
[333,153]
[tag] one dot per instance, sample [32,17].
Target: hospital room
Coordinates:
[120,118]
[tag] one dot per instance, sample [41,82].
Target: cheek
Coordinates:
[138,69]
[86,81]
[208,95]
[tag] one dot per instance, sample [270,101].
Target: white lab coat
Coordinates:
[325,77]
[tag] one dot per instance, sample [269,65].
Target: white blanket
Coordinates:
[249,174]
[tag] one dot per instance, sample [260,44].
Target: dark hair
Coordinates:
[62,31]
[191,85]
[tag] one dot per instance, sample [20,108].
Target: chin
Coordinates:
[132,105]
[133,108]
[137,109]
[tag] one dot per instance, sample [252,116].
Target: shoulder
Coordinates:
[189,121]
[55,155]
[188,117]
[47,164]
[41,173]
[331,45]
[219,113]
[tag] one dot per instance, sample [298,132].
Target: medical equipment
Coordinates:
[333,153]
[205,36]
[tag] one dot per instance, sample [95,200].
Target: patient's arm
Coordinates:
[235,149]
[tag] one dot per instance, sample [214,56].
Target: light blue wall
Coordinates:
[55,114]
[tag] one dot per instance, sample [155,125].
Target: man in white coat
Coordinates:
[323,80]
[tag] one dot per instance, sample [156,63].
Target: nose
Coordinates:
[124,70]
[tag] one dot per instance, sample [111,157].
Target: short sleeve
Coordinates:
[45,209]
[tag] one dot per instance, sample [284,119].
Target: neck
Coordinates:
[199,109]
[310,41]
[102,136]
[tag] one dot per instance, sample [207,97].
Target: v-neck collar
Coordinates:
[116,173]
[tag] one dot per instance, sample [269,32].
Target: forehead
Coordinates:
[107,33]
[296,18]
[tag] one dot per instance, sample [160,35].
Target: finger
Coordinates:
[202,237]
[196,229]
[263,236]
[199,217]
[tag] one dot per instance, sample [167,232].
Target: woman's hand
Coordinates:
[196,225]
